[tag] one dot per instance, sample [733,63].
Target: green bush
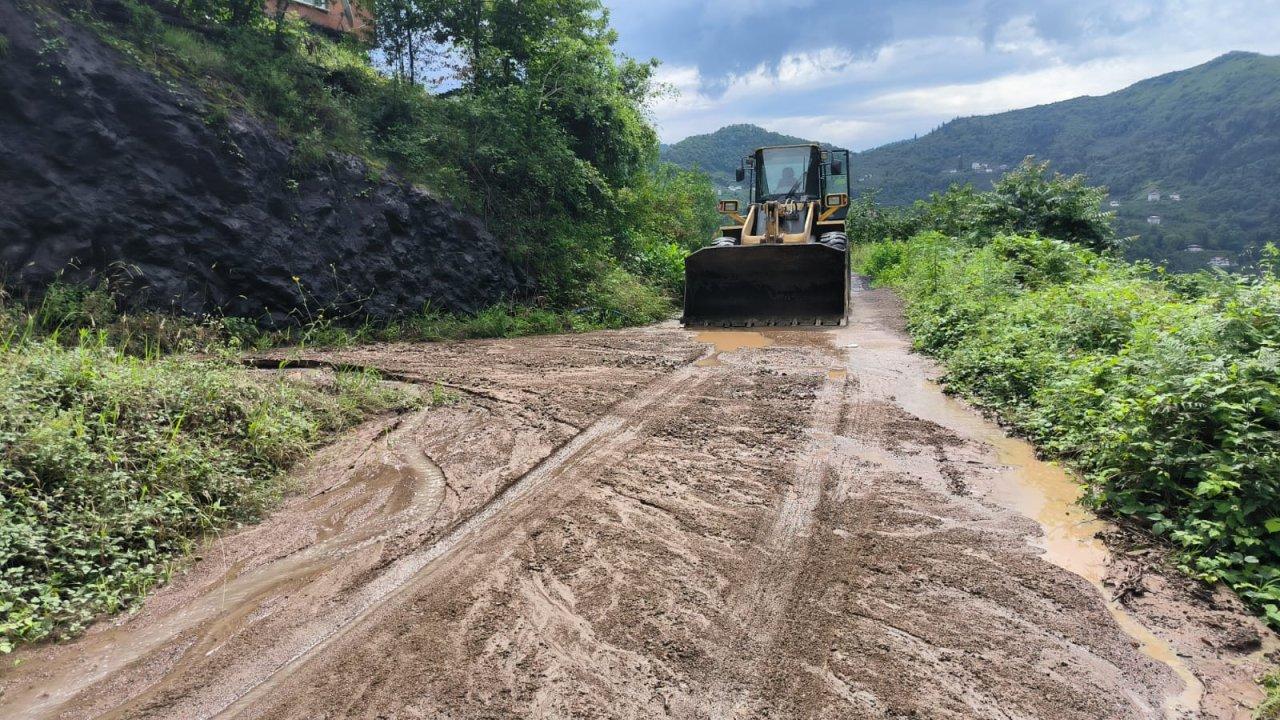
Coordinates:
[1027,200]
[1270,707]
[1167,401]
[112,466]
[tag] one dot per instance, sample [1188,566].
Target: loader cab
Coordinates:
[797,173]
[787,173]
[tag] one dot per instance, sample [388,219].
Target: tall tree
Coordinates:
[405,31]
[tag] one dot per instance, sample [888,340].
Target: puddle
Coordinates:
[1050,495]
[1032,487]
[727,341]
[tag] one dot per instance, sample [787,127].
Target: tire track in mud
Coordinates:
[411,483]
[751,540]
[587,449]
[761,602]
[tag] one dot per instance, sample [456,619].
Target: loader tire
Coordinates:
[723,242]
[837,240]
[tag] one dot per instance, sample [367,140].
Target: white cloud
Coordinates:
[910,84]
[1020,90]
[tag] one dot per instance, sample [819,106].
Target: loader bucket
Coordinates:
[749,285]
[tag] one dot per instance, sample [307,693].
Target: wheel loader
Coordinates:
[785,260]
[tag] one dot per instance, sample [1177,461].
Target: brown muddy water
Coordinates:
[726,341]
[1039,490]
[1050,495]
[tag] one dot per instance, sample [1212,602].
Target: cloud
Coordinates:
[872,72]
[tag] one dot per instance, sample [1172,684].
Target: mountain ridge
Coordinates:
[1209,134]
[718,153]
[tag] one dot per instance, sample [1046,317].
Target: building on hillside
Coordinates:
[1175,197]
[333,16]
[975,166]
[1153,219]
[1153,196]
[1218,261]
[1114,203]
[1194,249]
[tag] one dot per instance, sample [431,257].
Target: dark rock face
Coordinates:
[106,170]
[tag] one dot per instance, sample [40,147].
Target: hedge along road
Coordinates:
[658,522]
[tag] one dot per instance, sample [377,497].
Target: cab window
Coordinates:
[783,172]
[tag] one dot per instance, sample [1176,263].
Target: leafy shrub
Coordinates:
[620,299]
[1167,401]
[882,258]
[1270,707]
[869,222]
[112,466]
[1027,200]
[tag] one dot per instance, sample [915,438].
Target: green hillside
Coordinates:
[719,153]
[1211,134]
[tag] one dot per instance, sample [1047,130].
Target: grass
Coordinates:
[1270,708]
[67,309]
[119,452]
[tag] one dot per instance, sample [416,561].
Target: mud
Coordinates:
[656,523]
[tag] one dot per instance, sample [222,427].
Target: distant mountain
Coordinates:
[1209,135]
[719,153]
[1207,139]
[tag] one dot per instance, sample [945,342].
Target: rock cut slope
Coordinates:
[109,170]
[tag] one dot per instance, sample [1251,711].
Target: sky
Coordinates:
[860,73]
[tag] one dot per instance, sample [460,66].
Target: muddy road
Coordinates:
[652,523]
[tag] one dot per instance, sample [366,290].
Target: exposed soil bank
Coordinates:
[649,522]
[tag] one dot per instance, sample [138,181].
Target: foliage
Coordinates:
[543,131]
[112,466]
[1166,401]
[1027,199]
[1167,133]
[404,34]
[68,311]
[1270,707]
[868,221]
[670,213]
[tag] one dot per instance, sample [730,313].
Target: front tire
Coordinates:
[836,240]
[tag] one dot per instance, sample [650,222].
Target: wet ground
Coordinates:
[656,522]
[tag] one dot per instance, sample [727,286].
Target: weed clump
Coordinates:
[112,466]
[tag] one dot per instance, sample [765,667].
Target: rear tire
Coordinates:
[723,241]
[836,240]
